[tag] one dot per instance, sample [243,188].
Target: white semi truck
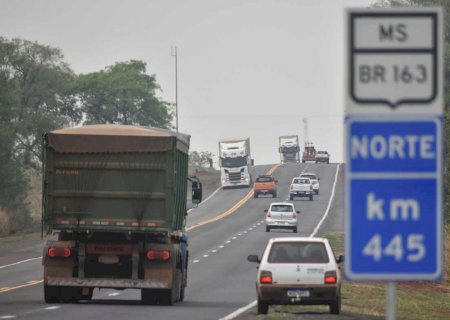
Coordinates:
[289,149]
[235,161]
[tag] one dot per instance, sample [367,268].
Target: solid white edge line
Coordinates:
[19,262]
[252,304]
[239,311]
[329,204]
[209,197]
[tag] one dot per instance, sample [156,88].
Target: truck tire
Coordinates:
[291,198]
[311,197]
[255,195]
[274,194]
[51,294]
[267,229]
[167,297]
[294,230]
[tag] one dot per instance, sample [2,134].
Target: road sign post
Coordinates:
[394,146]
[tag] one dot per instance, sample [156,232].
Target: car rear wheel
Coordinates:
[294,230]
[263,307]
[335,307]
[311,198]
[267,229]
[316,191]
[291,198]
[255,195]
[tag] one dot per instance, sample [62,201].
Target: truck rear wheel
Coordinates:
[51,294]
[148,296]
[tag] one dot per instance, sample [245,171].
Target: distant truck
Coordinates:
[309,153]
[322,156]
[289,149]
[235,161]
[115,196]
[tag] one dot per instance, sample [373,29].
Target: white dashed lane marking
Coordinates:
[216,249]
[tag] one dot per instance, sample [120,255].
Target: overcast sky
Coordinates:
[245,67]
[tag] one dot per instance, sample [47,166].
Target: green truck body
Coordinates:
[116,197]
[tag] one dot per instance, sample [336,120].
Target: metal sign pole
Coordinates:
[391,300]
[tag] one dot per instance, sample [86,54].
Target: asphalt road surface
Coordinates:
[222,232]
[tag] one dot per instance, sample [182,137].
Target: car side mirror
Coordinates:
[318,179]
[266,210]
[298,211]
[253,258]
[276,181]
[340,259]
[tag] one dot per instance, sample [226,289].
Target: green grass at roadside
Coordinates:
[14,239]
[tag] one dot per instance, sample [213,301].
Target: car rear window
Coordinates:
[281,208]
[301,181]
[310,176]
[264,179]
[298,252]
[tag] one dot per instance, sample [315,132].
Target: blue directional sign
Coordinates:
[394,198]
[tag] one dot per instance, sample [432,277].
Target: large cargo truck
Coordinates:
[289,149]
[235,161]
[114,199]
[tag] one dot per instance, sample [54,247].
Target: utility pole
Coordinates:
[174,54]
[305,129]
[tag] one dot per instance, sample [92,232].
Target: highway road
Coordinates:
[222,232]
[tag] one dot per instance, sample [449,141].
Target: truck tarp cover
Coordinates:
[115,177]
[114,138]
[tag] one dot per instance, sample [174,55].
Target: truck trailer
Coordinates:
[289,149]
[235,161]
[114,199]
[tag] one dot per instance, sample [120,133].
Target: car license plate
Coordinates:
[298,293]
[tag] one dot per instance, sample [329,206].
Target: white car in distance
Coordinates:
[281,215]
[314,180]
[301,187]
[299,271]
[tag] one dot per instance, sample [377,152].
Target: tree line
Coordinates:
[39,92]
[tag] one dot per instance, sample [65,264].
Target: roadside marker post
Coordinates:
[394,147]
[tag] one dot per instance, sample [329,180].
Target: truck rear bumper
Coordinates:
[107,283]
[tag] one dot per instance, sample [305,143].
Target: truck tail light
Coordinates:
[158,255]
[294,215]
[292,187]
[59,252]
[269,214]
[265,277]
[330,277]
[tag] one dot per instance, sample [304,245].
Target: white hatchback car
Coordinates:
[314,180]
[298,271]
[281,215]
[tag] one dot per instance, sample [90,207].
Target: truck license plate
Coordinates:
[298,293]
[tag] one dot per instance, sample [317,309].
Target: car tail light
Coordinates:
[59,252]
[269,214]
[158,255]
[330,277]
[265,277]
[294,215]
[292,187]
